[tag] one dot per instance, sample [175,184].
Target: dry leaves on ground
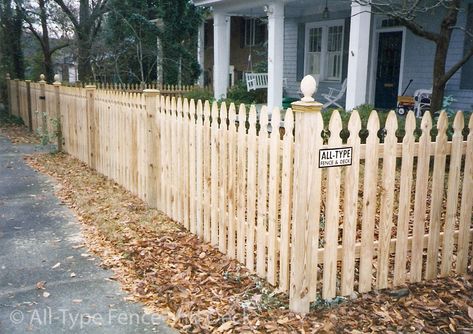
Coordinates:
[199,290]
[18,134]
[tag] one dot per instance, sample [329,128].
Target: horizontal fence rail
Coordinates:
[250,182]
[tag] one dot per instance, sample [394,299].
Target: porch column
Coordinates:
[275,12]
[221,54]
[200,53]
[358,55]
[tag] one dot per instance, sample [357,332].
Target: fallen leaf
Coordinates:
[470,312]
[77,301]
[73,275]
[225,326]
[46,294]
[56,265]
[41,285]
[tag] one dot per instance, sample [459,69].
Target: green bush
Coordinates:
[238,94]
[199,94]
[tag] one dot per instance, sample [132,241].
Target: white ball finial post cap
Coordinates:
[56,77]
[308,88]
[42,77]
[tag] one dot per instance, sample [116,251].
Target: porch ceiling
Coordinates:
[294,8]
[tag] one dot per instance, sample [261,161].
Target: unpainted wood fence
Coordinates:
[400,213]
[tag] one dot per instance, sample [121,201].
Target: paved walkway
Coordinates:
[37,239]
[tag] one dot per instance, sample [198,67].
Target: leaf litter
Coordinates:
[198,289]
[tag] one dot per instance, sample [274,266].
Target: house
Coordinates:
[333,40]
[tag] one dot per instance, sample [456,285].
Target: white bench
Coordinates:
[256,80]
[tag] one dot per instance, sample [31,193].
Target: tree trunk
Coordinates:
[84,64]
[438,86]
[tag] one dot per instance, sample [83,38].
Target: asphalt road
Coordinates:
[38,243]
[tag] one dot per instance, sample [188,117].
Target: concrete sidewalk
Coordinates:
[37,239]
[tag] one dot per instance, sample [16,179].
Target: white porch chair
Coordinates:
[334,95]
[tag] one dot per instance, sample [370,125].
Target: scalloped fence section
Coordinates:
[249,182]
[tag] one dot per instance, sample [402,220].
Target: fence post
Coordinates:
[17,94]
[7,79]
[153,153]
[58,126]
[42,108]
[308,128]
[91,126]
[28,105]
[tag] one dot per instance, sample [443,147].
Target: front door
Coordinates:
[387,72]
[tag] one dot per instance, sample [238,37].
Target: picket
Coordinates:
[402,226]
[420,206]
[437,197]
[387,200]
[332,213]
[350,209]
[369,203]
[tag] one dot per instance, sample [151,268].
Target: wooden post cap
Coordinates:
[307,103]
[151,91]
[42,78]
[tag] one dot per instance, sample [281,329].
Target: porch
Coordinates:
[325,39]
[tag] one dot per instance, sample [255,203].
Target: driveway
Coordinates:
[48,283]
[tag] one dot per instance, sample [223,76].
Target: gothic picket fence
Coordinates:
[401,212]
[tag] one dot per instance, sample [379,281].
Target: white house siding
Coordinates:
[290,58]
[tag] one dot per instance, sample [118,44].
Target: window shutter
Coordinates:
[300,51]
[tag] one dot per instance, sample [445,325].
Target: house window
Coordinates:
[324,47]
[255,31]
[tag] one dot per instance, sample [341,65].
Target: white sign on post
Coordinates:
[335,157]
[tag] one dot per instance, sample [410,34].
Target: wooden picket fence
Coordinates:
[400,213]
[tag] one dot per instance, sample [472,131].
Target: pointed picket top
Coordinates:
[206,112]
[185,109]
[276,119]
[199,111]
[232,117]
[458,123]
[263,120]
[373,123]
[442,123]
[173,105]
[252,119]
[410,125]
[391,124]
[354,124]
[214,113]
[179,107]
[335,126]
[168,105]
[192,111]
[288,122]
[426,123]
[223,115]
[242,118]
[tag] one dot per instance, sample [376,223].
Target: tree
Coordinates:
[86,21]
[128,41]
[38,16]
[11,54]
[445,13]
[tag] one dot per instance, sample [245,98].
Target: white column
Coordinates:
[275,12]
[221,54]
[358,55]
[200,53]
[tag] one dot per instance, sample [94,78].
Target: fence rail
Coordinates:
[399,213]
